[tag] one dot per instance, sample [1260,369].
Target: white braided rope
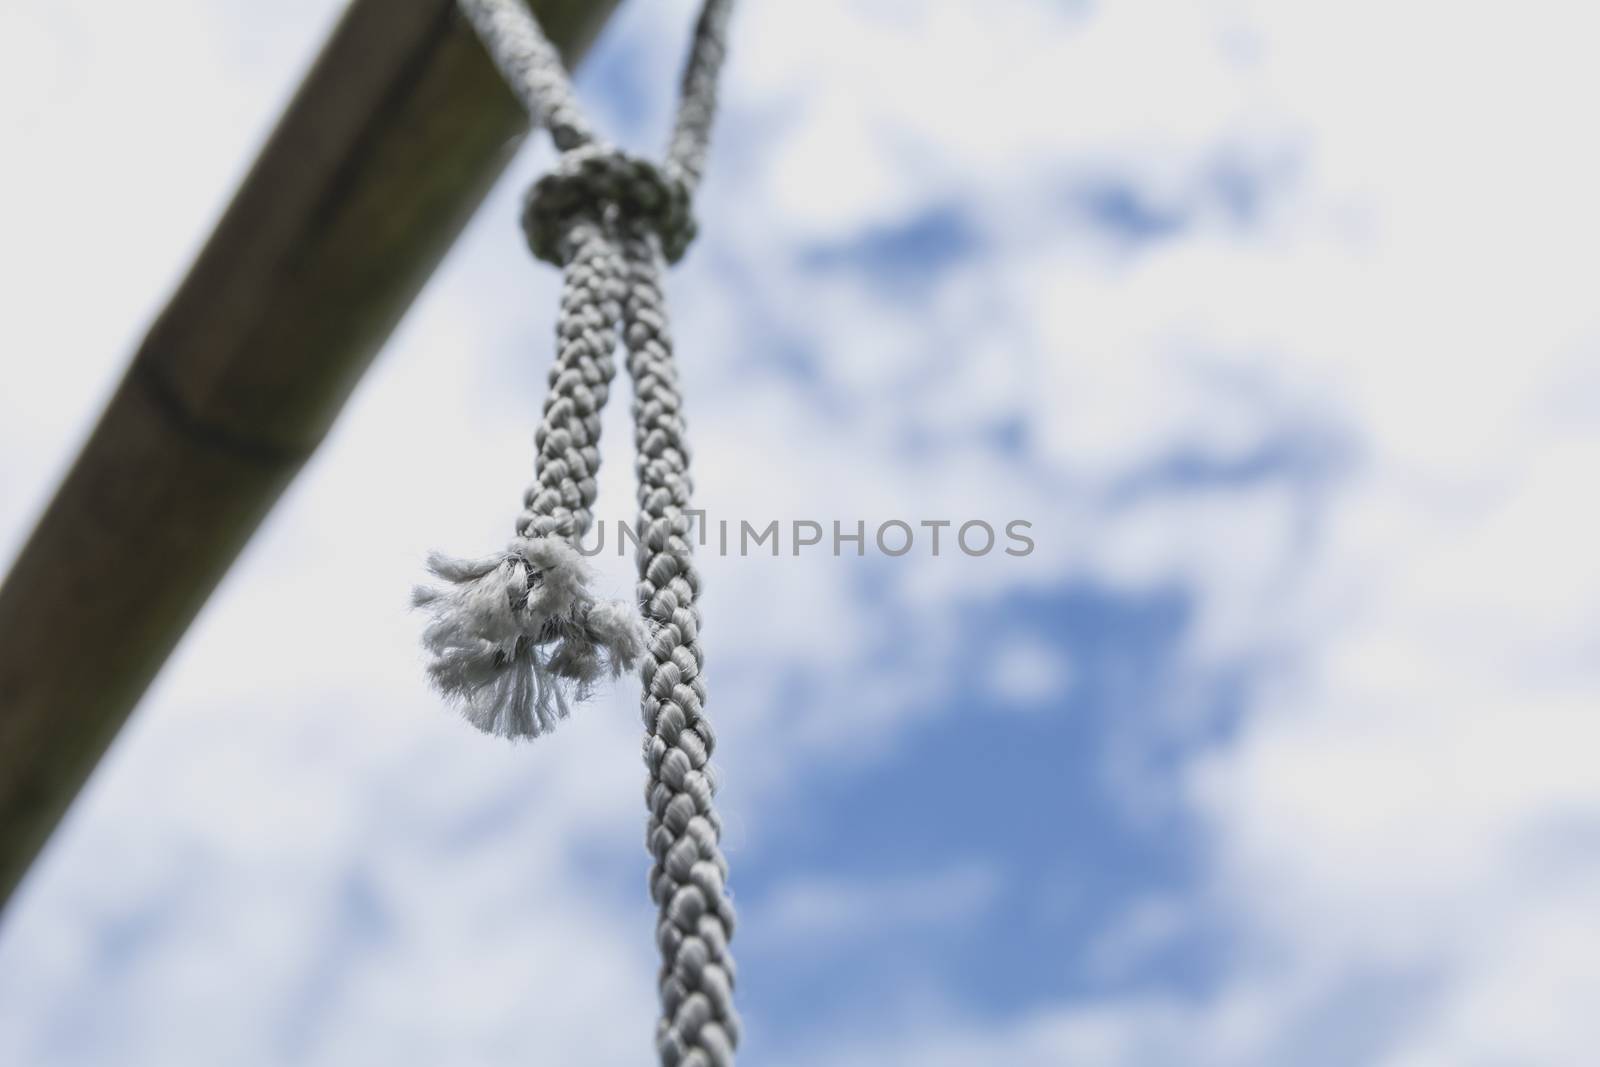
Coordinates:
[519,631]
[561,500]
[697,100]
[532,68]
[516,638]
[688,881]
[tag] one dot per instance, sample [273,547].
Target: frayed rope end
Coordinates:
[515,639]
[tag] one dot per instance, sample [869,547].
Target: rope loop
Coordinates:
[517,637]
[607,185]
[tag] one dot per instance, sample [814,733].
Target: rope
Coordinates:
[516,637]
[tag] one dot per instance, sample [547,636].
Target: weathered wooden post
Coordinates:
[392,140]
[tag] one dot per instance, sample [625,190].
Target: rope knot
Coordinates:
[610,187]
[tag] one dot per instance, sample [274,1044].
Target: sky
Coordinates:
[1274,320]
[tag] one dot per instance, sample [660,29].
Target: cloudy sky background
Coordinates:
[1278,323]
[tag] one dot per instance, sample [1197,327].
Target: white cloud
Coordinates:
[1028,673]
[810,915]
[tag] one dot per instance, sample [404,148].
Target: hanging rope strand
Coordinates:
[561,500]
[516,637]
[516,626]
[532,68]
[697,104]
[688,881]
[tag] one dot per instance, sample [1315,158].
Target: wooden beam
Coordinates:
[390,143]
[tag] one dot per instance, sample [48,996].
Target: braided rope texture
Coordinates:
[516,639]
[561,499]
[611,221]
[531,66]
[697,99]
[689,879]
